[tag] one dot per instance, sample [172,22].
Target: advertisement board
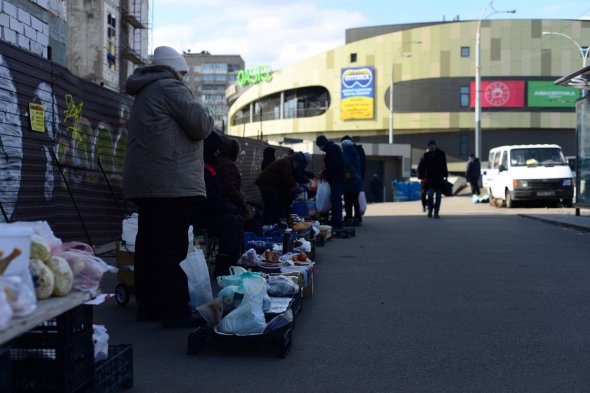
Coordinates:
[357,94]
[583,157]
[500,94]
[546,94]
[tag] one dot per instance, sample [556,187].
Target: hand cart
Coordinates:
[125,276]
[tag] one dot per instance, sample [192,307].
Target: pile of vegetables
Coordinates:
[52,275]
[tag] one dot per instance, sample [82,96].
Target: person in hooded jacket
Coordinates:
[163,175]
[268,157]
[352,183]
[218,215]
[230,176]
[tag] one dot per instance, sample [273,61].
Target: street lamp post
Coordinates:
[583,49]
[478,143]
[391,92]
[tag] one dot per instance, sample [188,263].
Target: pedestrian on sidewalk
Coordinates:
[163,175]
[352,183]
[376,188]
[435,174]
[333,173]
[472,173]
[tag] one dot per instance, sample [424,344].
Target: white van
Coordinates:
[528,172]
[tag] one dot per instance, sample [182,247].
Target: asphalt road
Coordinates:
[479,301]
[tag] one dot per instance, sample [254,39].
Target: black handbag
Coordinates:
[448,188]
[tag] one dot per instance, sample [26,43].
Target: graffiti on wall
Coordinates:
[78,139]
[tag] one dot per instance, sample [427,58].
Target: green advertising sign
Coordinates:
[546,94]
[254,75]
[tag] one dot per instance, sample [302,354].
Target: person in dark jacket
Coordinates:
[163,175]
[218,215]
[277,184]
[435,173]
[333,173]
[230,176]
[268,157]
[352,183]
[472,173]
[376,188]
[362,157]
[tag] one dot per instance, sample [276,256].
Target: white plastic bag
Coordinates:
[322,197]
[5,309]
[362,203]
[19,294]
[248,317]
[130,232]
[100,338]
[86,267]
[199,283]
[282,286]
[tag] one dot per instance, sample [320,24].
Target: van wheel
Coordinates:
[509,203]
[492,201]
[567,203]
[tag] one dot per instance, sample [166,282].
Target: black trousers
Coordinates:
[474,187]
[161,286]
[351,199]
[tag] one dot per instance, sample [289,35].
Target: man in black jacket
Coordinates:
[435,173]
[334,174]
[472,173]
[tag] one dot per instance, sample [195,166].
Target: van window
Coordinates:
[491,160]
[532,156]
[497,159]
[505,159]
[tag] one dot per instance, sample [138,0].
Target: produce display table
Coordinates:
[46,309]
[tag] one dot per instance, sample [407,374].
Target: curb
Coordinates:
[562,224]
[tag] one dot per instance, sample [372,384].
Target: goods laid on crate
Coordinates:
[256,309]
[36,265]
[49,332]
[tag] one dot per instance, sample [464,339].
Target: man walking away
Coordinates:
[334,174]
[472,173]
[435,174]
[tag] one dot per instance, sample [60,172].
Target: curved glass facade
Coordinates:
[289,104]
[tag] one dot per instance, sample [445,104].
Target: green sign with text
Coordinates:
[254,75]
[546,94]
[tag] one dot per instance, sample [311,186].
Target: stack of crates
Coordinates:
[55,356]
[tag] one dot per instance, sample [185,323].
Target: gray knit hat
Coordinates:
[164,55]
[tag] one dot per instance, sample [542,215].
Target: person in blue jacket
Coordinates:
[352,183]
[333,173]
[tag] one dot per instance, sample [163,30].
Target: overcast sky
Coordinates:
[281,32]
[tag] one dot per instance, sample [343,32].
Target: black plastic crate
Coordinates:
[55,356]
[115,371]
[5,370]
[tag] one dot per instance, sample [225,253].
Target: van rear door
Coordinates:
[490,174]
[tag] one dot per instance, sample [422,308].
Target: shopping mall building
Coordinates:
[346,90]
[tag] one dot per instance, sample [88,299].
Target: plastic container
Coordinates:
[12,237]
